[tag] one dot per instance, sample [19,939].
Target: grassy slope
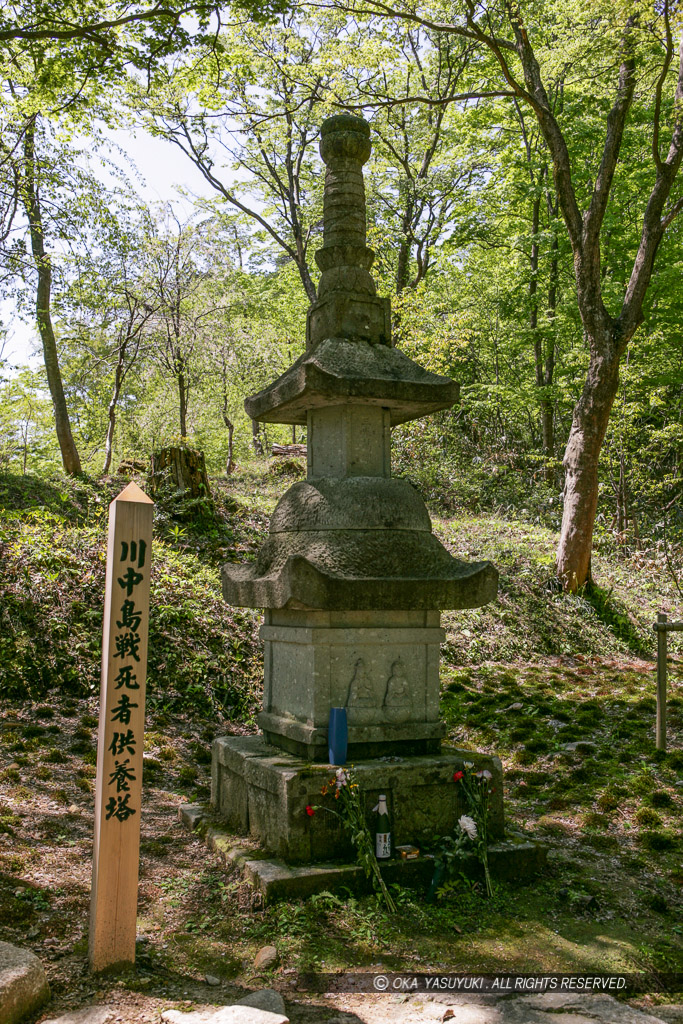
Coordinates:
[610,814]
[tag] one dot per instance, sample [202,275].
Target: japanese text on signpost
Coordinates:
[113,906]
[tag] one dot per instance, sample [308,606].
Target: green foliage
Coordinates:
[201,654]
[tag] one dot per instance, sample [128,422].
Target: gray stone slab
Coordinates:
[86,1015]
[669,1012]
[365,569]
[341,370]
[191,814]
[511,859]
[23,983]
[236,1014]
[571,1008]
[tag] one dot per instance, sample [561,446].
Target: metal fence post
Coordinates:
[661,683]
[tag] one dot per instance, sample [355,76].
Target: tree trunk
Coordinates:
[230,464]
[402,266]
[111,426]
[589,425]
[182,396]
[256,437]
[547,405]
[41,259]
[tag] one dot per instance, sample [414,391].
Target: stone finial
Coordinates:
[344,259]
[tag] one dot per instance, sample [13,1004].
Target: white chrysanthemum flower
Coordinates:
[468,826]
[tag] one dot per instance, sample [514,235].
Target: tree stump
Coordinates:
[180,468]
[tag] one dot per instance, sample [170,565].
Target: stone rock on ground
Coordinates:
[86,1015]
[569,1008]
[191,815]
[225,1015]
[536,1008]
[266,957]
[671,1013]
[23,984]
[265,999]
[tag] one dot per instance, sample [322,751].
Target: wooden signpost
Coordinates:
[118,793]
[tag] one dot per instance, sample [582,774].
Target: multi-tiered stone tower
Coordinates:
[351,578]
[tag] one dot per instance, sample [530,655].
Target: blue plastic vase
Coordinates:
[337,736]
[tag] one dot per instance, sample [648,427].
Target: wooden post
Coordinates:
[662,635]
[118,793]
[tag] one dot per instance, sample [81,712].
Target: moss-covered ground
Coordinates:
[561,687]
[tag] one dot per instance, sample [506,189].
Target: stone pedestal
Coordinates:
[262,791]
[383,667]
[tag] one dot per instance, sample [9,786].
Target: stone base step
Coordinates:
[511,859]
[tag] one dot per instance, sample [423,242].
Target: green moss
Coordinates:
[537,745]
[647,817]
[659,840]
[660,798]
[30,731]
[55,756]
[525,757]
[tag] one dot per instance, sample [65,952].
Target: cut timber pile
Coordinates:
[289,450]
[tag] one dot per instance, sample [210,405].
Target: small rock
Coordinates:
[23,984]
[190,815]
[74,809]
[265,999]
[266,957]
[211,979]
[514,707]
[51,941]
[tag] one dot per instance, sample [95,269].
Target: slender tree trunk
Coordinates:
[256,437]
[25,439]
[111,426]
[536,334]
[182,396]
[547,405]
[230,464]
[41,259]
[402,266]
[589,425]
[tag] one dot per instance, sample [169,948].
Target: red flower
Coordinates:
[310,811]
[457,776]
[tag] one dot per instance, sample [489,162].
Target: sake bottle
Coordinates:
[382,830]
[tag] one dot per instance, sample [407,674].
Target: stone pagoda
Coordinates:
[351,578]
